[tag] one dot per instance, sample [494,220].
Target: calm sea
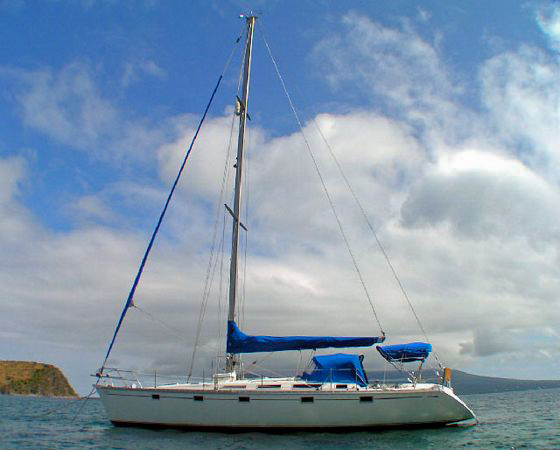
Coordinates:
[529,419]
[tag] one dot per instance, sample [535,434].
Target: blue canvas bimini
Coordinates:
[414,351]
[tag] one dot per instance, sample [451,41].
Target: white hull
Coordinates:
[189,406]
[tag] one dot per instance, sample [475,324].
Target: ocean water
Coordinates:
[527,419]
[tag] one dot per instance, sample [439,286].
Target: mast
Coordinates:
[232,359]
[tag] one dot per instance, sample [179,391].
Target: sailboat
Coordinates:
[336,394]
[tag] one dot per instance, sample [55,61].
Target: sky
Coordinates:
[444,116]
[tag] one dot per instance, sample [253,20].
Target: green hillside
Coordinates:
[32,378]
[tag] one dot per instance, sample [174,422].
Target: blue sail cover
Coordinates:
[415,351]
[239,342]
[338,368]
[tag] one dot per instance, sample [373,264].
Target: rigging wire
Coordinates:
[212,263]
[242,301]
[244,275]
[371,228]
[323,184]
[222,290]
[66,405]
[85,400]
[299,363]
[175,333]
[220,286]
[130,298]
[273,372]
[246,234]
[310,359]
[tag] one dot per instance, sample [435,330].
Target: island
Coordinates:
[33,378]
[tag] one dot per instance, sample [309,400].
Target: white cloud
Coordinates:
[520,90]
[482,195]
[470,223]
[207,159]
[133,71]
[548,19]
[12,173]
[423,15]
[63,290]
[65,105]
[477,238]
[15,224]
[68,106]
[90,207]
[395,65]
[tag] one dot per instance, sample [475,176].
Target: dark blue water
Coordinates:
[529,419]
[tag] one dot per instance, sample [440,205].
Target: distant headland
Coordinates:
[33,378]
[466,383]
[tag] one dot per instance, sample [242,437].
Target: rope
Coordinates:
[273,372]
[323,184]
[130,299]
[83,404]
[268,355]
[171,330]
[210,273]
[65,405]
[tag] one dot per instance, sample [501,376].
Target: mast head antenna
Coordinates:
[251,15]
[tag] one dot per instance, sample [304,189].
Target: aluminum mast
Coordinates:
[232,359]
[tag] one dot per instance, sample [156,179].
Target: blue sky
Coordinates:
[132,57]
[446,115]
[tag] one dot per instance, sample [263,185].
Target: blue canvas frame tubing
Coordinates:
[130,299]
[403,353]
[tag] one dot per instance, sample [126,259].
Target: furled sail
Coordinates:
[239,342]
[338,368]
[414,351]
